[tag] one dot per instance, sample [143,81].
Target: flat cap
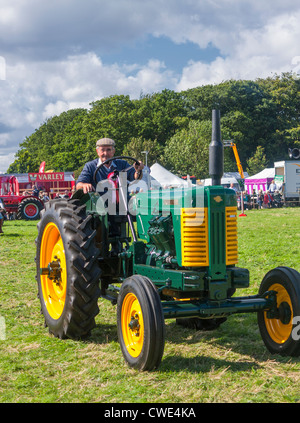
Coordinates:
[105,141]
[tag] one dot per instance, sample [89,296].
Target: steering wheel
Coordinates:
[114,158]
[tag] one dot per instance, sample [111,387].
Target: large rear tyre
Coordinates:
[280,330]
[140,321]
[67,269]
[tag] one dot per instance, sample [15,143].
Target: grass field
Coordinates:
[230,364]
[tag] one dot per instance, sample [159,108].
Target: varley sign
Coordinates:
[46,177]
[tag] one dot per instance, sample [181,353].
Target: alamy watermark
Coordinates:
[2,69]
[118,198]
[296,329]
[2,329]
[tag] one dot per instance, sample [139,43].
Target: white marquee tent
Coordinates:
[161,177]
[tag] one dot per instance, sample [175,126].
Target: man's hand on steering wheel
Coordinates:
[138,166]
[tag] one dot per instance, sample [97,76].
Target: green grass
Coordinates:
[230,364]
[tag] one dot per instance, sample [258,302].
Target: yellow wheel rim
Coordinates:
[278,331]
[54,293]
[132,324]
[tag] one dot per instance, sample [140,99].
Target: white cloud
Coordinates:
[2,69]
[81,79]
[4,138]
[5,161]
[151,78]
[256,53]
[55,29]
[8,15]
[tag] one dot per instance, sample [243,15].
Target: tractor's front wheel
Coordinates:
[140,321]
[280,328]
[67,269]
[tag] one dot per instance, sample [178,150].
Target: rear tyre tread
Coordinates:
[81,304]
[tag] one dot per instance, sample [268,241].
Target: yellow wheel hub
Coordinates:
[54,292]
[279,331]
[132,324]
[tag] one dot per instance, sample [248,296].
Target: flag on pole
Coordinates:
[42,167]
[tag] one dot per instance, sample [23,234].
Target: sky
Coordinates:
[62,54]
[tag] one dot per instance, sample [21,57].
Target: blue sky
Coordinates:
[63,54]
[174,56]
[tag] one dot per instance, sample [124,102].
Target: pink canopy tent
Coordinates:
[259,181]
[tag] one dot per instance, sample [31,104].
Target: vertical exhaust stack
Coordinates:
[216,150]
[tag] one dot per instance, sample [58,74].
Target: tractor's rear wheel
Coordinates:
[140,320]
[29,209]
[67,269]
[281,332]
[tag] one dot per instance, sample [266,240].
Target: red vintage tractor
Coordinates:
[17,194]
[24,207]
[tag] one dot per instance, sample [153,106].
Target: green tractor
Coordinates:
[176,259]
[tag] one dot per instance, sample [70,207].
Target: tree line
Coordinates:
[261,117]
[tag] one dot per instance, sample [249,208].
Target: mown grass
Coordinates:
[230,364]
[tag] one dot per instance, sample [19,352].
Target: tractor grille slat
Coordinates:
[231,236]
[194,241]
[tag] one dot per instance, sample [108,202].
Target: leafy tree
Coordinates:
[247,111]
[69,145]
[137,145]
[284,101]
[187,151]
[24,163]
[257,162]
[109,117]
[160,115]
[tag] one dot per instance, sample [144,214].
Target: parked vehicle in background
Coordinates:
[20,192]
[287,173]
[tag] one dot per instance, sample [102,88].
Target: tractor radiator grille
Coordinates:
[231,236]
[194,237]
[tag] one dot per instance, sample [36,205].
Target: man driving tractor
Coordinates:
[105,148]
